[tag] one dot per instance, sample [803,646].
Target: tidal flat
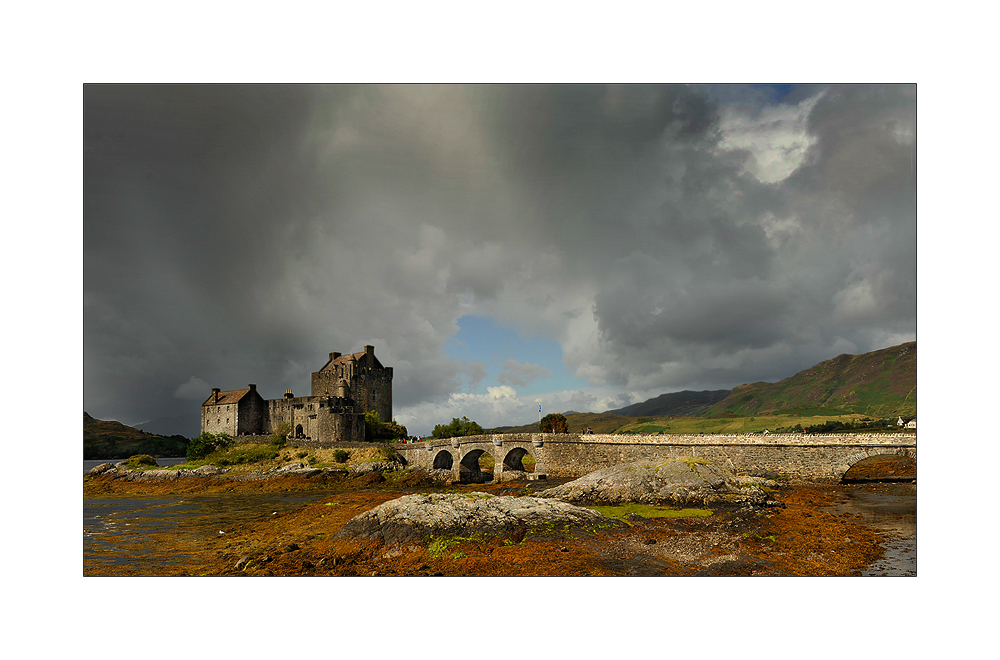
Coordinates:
[286,526]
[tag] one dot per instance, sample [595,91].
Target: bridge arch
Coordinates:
[468,467]
[870,464]
[513,461]
[443,460]
[868,452]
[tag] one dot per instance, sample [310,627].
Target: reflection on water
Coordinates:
[120,531]
[891,508]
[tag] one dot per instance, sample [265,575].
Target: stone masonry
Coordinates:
[812,457]
[343,390]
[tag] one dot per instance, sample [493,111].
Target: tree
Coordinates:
[458,427]
[376,429]
[553,423]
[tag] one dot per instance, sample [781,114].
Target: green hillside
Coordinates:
[686,403]
[605,422]
[878,384]
[111,440]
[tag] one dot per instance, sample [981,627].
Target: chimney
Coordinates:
[253,388]
[334,356]
[215,394]
[288,394]
[370,350]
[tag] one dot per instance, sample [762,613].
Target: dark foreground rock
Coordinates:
[678,482]
[415,517]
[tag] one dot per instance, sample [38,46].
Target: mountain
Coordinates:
[604,422]
[685,403]
[111,439]
[187,425]
[879,384]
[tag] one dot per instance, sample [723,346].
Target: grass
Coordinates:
[729,425]
[621,511]
[264,456]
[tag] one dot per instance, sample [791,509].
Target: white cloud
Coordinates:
[776,137]
[520,375]
[856,301]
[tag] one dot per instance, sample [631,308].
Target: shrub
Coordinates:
[140,460]
[389,454]
[341,456]
[206,443]
[246,453]
[280,434]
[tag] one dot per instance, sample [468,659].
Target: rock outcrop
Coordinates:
[377,466]
[415,517]
[677,482]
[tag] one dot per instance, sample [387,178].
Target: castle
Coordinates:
[343,390]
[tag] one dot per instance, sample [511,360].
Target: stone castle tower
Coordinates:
[343,390]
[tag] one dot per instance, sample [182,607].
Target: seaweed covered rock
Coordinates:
[376,466]
[415,517]
[678,482]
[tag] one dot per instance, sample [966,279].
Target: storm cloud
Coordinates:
[666,237]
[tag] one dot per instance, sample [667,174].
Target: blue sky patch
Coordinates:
[487,341]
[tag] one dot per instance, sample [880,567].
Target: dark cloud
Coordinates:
[666,236]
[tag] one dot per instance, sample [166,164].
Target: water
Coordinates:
[891,508]
[124,535]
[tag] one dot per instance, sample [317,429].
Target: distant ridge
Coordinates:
[687,403]
[111,439]
[188,425]
[879,384]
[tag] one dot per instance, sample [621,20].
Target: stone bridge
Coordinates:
[811,457]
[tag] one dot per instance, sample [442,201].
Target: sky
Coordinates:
[578,247]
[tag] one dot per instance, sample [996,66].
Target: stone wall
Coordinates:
[814,457]
[252,413]
[219,418]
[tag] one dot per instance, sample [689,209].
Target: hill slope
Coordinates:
[604,422]
[110,439]
[879,384]
[686,403]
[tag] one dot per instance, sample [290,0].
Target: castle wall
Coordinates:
[369,384]
[334,412]
[219,418]
[252,412]
[371,389]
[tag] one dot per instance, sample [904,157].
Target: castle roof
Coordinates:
[343,359]
[231,396]
[351,357]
